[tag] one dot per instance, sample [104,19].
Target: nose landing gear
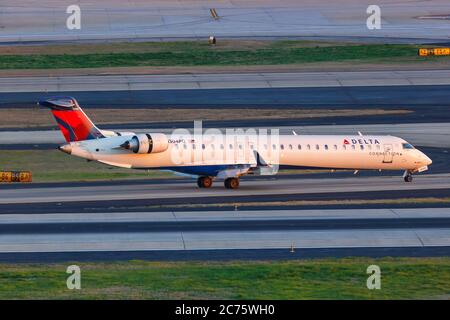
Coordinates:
[407,176]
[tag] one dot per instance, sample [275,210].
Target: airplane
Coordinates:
[204,157]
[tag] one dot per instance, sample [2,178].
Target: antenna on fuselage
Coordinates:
[359,132]
[294,133]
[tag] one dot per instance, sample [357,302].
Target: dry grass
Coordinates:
[428,200]
[34,117]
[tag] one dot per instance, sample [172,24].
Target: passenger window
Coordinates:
[344,147]
[290,146]
[335,147]
[308,147]
[184,146]
[317,147]
[378,147]
[282,147]
[299,147]
[274,147]
[362,147]
[221,146]
[230,146]
[326,147]
[353,147]
[203,147]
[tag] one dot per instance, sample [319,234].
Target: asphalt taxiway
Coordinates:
[283,97]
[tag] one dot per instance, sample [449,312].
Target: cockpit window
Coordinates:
[407,146]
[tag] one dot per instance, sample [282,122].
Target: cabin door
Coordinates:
[388,153]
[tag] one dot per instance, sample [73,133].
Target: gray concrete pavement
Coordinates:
[224,81]
[224,240]
[248,188]
[215,216]
[45,20]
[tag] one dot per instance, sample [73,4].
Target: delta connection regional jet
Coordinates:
[209,157]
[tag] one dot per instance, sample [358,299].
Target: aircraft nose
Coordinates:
[67,148]
[426,159]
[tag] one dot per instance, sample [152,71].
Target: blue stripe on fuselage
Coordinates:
[202,170]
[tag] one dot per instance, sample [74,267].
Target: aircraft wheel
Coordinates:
[231,183]
[204,182]
[408,178]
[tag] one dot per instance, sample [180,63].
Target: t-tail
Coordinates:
[72,121]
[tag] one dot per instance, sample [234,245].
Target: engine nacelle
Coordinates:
[147,143]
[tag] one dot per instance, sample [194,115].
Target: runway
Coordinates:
[248,188]
[267,233]
[90,83]
[169,20]
[331,97]
[181,195]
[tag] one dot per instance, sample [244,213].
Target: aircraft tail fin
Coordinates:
[74,124]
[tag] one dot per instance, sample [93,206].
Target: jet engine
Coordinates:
[147,143]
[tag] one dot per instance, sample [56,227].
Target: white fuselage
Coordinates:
[323,151]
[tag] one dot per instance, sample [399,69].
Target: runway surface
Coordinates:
[336,97]
[402,21]
[248,188]
[224,81]
[256,193]
[268,233]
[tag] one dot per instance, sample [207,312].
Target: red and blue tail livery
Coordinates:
[72,121]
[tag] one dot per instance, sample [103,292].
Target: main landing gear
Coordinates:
[204,182]
[407,176]
[231,183]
